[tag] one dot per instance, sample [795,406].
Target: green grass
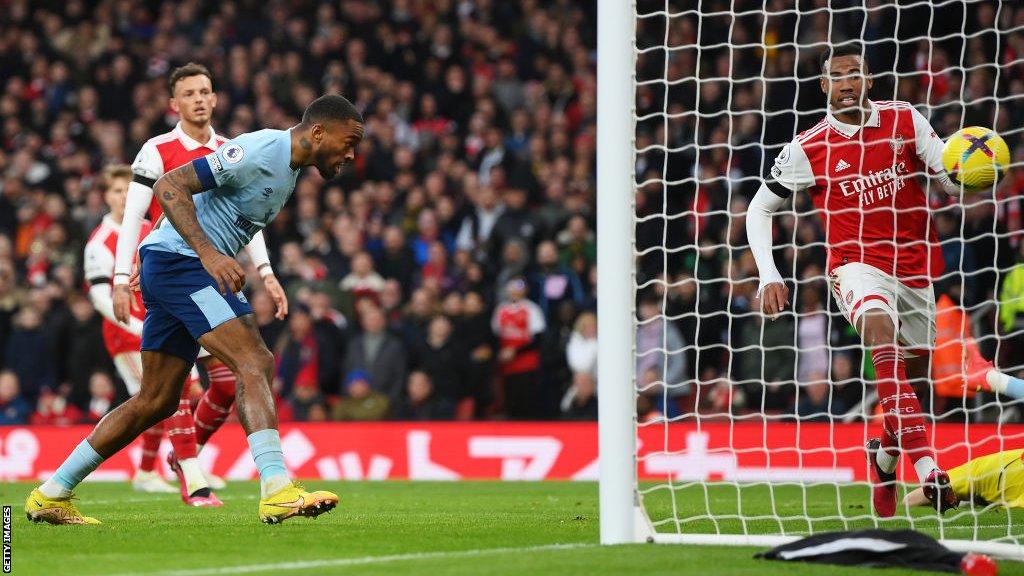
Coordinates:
[397,528]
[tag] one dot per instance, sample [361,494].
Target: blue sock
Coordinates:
[265,446]
[80,463]
[1015,388]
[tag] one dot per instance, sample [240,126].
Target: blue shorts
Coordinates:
[182,303]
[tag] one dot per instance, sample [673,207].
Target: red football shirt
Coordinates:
[864,182]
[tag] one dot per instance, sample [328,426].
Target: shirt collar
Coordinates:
[849,130]
[191,144]
[110,222]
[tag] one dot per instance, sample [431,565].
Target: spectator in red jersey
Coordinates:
[101,396]
[434,274]
[54,409]
[518,322]
[13,408]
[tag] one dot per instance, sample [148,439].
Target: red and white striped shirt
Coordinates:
[157,156]
[863,180]
[516,324]
[99,268]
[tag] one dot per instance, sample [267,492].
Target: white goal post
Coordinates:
[729,501]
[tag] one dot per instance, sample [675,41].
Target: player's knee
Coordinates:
[879,329]
[258,365]
[156,407]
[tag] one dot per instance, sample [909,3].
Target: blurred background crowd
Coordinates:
[472,193]
[473,196]
[732,102]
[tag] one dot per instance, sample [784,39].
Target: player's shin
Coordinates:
[151,440]
[181,432]
[265,446]
[215,405]
[1005,384]
[82,461]
[903,417]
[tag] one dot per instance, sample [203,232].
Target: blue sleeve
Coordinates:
[233,165]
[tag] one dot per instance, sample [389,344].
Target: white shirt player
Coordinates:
[99,268]
[157,156]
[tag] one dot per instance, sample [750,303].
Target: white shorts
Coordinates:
[129,367]
[858,287]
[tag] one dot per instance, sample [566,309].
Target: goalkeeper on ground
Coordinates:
[994,479]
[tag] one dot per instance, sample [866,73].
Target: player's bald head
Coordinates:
[331,129]
[330,108]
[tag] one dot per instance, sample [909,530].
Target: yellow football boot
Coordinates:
[293,500]
[39,508]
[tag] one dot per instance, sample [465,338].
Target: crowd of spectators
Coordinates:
[732,102]
[472,198]
[471,201]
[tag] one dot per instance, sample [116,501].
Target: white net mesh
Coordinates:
[753,427]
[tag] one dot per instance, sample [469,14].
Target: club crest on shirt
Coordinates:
[233,153]
[897,144]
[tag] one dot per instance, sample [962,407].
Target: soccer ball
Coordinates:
[975,157]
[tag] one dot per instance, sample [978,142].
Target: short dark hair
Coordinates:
[330,107]
[844,49]
[186,71]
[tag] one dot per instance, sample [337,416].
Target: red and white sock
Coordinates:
[215,405]
[151,446]
[181,430]
[903,418]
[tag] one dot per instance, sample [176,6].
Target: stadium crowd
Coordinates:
[472,196]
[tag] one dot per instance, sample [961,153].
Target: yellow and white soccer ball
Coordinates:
[975,157]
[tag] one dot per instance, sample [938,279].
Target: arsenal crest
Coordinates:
[897,144]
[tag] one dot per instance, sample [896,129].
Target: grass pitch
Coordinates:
[397,528]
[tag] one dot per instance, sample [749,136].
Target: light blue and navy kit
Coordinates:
[247,181]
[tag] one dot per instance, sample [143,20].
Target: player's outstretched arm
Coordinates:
[174,191]
[773,291]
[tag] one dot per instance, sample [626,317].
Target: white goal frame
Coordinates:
[623,519]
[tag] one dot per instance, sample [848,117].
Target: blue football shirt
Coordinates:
[247,181]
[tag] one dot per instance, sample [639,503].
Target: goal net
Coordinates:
[735,429]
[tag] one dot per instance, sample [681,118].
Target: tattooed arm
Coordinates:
[174,191]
